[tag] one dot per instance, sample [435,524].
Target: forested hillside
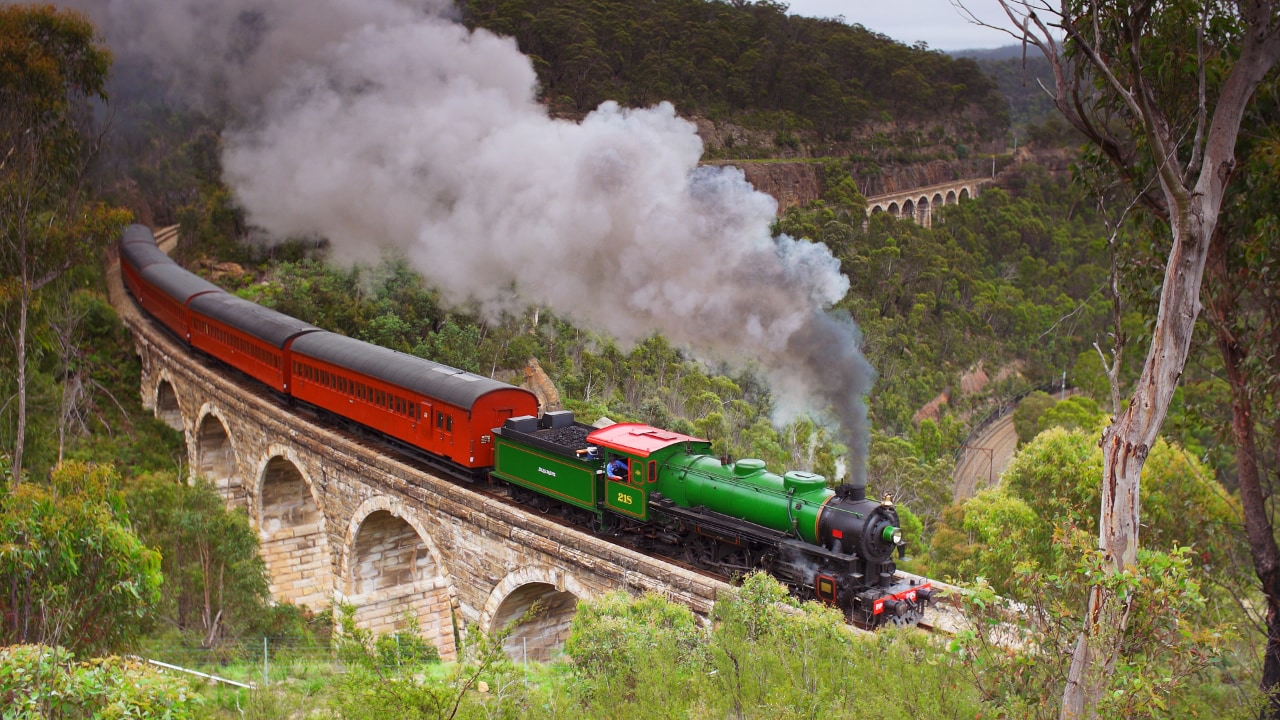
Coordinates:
[1038,279]
[749,62]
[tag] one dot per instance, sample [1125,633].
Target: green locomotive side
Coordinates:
[791,503]
[565,460]
[567,477]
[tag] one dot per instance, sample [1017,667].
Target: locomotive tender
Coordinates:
[675,497]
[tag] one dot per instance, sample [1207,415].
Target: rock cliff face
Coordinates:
[881,179]
[790,183]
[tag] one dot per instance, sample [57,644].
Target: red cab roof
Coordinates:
[637,438]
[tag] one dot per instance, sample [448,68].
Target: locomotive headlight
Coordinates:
[892,534]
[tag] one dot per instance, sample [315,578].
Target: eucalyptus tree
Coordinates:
[1159,88]
[50,65]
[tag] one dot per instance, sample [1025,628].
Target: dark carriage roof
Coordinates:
[176,282]
[262,323]
[137,235]
[412,373]
[141,255]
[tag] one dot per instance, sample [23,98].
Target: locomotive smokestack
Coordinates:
[384,124]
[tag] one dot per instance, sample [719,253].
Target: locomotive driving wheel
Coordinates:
[737,559]
[701,550]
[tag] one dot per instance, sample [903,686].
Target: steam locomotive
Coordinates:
[658,490]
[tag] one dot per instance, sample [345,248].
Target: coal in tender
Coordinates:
[573,437]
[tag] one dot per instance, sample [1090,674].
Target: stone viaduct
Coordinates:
[342,522]
[917,204]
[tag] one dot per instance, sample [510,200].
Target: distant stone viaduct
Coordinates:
[340,521]
[917,204]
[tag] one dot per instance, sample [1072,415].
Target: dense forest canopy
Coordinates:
[737,59]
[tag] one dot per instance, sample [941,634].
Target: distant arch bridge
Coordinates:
[917,204]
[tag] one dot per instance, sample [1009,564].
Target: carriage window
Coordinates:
[448,423]
[653,471]
[413,410]
[440,420]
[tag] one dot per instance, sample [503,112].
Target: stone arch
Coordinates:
[964,193]
[894,210]
[167,407]
[908,210]
[215,456]
[387,552]
[397,510]
[876,209]
[951,197]
[292,528]
[391,570]
[937,199]
[922,211]
[542,635]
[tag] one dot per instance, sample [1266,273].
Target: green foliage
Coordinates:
[1026,418]
[216,585]
[376,688]
[1090,377]
[50,70]
[1163,662]
[617,640]
[725,59]
[898,467]
[1072,413]
[1009,278]
[40,682]
[764,656]
[988,537]
[73,573]
[405,648]
[1051,489]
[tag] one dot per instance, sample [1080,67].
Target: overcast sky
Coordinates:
[936,22]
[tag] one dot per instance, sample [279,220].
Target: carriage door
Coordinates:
[444,429]
[424,425]
[484,452]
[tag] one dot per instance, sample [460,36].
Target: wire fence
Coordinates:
[269,660]
[260,660]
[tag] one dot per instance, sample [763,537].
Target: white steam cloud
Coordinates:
[383,124]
